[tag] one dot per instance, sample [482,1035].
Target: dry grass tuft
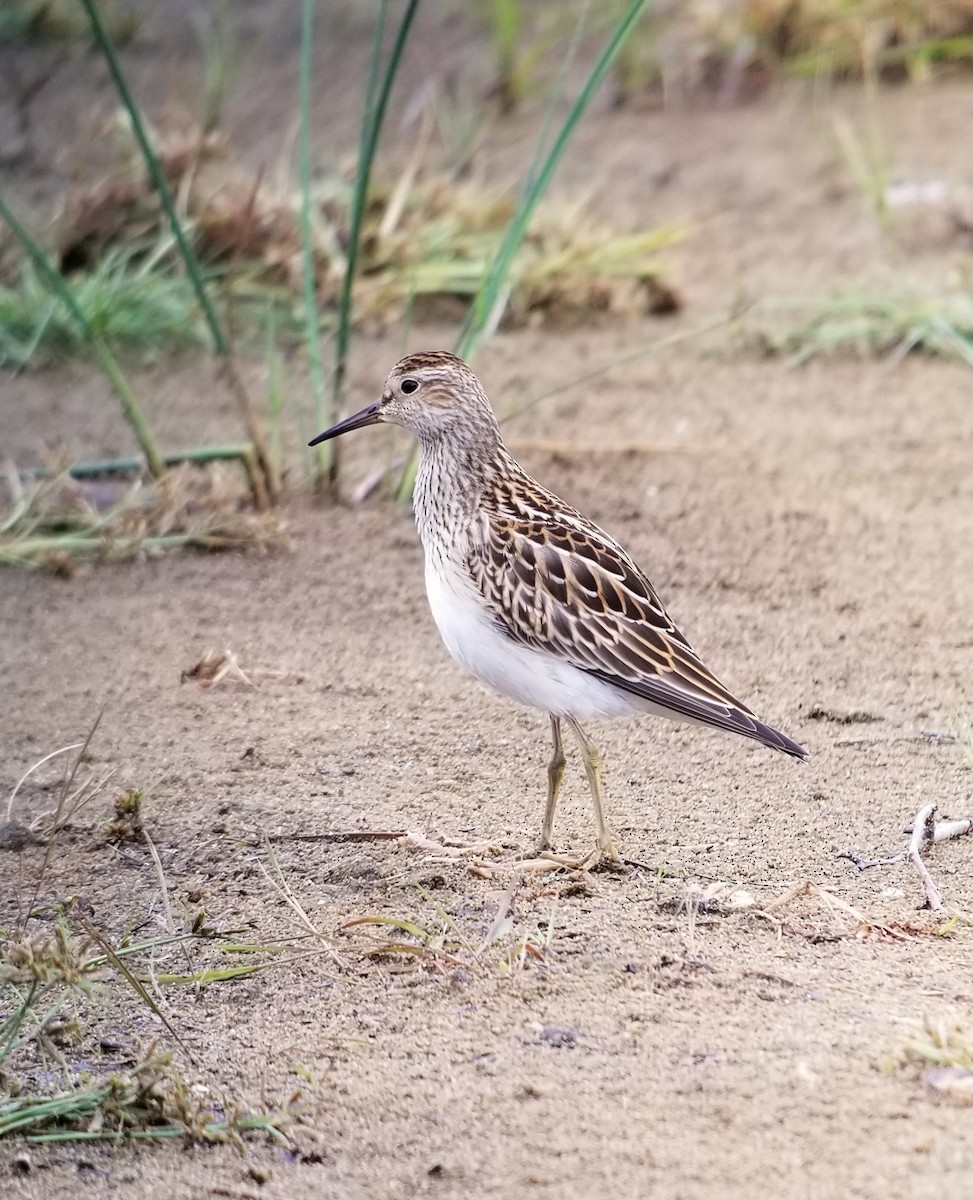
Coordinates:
[940,1053]
[58,523]
[426,237]
[735,48]
[66,982]
[443,944]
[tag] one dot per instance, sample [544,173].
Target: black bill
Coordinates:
[367,416]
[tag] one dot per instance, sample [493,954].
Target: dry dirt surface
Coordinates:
[671,1031]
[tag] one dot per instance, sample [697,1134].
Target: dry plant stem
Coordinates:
[66,786]
[926,832]
[264,483]
[30,770]
[807,888]
[923,833]
[341,835]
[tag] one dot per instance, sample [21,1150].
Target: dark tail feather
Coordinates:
[706,712]
[774,739]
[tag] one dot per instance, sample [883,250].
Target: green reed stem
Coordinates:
[106,360]
[154,167]
[377,101]
[221,343]
[327,453]
[492,292]
[481,311]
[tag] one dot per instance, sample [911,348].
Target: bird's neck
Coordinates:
[454,473]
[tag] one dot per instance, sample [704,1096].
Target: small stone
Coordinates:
[559,1036]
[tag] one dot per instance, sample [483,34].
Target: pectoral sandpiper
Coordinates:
[531,597]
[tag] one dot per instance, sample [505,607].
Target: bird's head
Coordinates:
[432,394]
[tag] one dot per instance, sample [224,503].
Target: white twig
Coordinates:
[924,834]
[925,831]
[945,830]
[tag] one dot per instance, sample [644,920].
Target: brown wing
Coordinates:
[558,583]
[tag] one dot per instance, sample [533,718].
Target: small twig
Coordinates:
[923,834]
[861,863]
[926,831]
[945,831]
[341,835]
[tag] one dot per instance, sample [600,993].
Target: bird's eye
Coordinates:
[408,386]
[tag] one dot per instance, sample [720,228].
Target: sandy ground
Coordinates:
[811,529]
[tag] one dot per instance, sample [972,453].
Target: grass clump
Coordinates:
[447,235]
[736,47]
[148,1099]
[426,239]
[132,300]
[442,943]
[65,982]
[58,981]
[937,1043]
[879,323]
[940,1055]
[60,522]
[60,21]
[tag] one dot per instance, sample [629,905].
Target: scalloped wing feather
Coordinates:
[558,583]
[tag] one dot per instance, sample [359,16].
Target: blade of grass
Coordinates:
[371,127]
[106,360]
[481,310]
[134,982]
[221,343]
[327,452]
[68,782]
[154,167]
[496,280]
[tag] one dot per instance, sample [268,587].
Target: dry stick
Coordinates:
[340,835]
[945,831]
[926,832]
[923,832]
[265,483]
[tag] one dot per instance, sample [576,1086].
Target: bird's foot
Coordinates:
[598,858]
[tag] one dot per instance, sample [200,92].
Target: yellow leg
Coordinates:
[592,766]
[555,773]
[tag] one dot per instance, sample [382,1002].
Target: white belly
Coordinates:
[531,677]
